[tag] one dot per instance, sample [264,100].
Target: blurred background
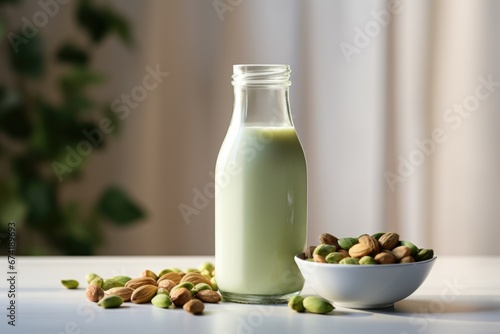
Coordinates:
[112,114]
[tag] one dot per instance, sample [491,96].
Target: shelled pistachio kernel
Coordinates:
[91,276]
[70,283]
[367,260]
[296,303]
[335,257]
[110,302]
[202,286]
[349,260]
[213,281]
[315,304]
[110,283]
[321,251]
[161,300]
[98,281]
[122,279]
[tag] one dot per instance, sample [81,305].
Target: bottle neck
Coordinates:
[261,106]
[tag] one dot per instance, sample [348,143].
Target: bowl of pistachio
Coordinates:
[367,272]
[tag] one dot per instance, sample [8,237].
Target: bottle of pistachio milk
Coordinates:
[261,191]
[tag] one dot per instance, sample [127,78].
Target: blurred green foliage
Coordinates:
[35,132]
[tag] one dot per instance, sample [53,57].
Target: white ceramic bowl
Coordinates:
[364,286]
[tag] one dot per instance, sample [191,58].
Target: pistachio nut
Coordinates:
[162,291]
[318,305]
[110,302]
[164,271]
[367,260]
[296,303]
[424,254]
[349,260]
[187,285]
[202,286]
[70,283]
[161,300]
[335,257]
[347,243]
[111,283]
[321,251]
[122,279]
[215,287]
[97,282]
[207,266]
[89,277]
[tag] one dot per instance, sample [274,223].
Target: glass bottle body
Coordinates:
[260,199]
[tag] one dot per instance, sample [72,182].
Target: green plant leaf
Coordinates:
[79,78]
[120,26]
[115,205]
[99,21]
[93,20]
[27,57]
[14,121]
[40,200]
[70,53]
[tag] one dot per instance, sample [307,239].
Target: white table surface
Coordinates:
[461,295]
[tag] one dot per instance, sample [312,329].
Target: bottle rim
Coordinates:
[261,75]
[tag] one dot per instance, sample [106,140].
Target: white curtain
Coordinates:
[375,90]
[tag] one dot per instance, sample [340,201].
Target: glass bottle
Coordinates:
[261,191]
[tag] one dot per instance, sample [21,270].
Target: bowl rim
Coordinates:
[334,265]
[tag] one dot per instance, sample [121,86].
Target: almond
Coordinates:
[123,292]
[135,283]
[144,294]
[196,278]
[173,276]
[208,296]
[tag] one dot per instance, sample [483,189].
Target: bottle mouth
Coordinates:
[261,75]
